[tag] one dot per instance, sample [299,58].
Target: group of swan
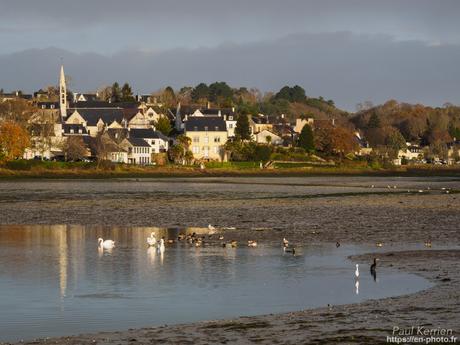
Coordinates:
[152,242]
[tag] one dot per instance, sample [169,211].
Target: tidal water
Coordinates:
[54,281]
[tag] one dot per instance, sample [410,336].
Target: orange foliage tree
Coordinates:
[14,139]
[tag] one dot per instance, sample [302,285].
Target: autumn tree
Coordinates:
[17,110]
[335,140]
[74,148]
[104,93]
[14,139]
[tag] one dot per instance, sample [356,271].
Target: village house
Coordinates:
[208,135]
[139,151]
[267,137]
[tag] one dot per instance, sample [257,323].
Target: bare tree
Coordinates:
[74,148]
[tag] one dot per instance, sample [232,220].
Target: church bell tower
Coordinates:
[62,94]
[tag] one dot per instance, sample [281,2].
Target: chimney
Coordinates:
[219,113]
[233,109]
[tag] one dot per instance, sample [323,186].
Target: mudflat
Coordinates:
[400,213]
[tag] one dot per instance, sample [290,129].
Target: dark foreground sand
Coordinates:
[305,211]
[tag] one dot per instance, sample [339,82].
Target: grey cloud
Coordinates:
[345,67]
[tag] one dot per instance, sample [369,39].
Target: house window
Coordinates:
[206,128]
[71,131]
[216,128]
[80,131]
[196,149]
[196,139]
[216,149]
[217,139]
[206,140]
[230,125]
[195,128]
[230,118]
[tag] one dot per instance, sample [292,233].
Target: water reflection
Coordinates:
[55,280]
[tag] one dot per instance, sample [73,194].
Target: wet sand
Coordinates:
[310,210]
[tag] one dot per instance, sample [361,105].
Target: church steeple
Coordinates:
[62,93]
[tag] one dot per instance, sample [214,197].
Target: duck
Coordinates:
[151,241]
[221,238]
[198,243]
[107,244]
[337,245]
[234,243]
[170,241]
[285,242]
[252,243]
[357,271]
[379,244]
[181,237]
[428,243]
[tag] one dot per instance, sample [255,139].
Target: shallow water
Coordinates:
[54,280]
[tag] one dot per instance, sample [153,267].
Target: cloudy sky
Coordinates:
[347,50]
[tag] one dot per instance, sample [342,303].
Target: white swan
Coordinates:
[357,271]
[161,245]
[212,229]
[107,244]
[151,241]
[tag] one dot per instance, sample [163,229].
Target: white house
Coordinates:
[139,151]
[263,138]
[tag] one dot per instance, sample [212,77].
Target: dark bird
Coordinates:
[289,250]
[337,244]
[373,269]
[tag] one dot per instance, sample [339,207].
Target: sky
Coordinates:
[346,50]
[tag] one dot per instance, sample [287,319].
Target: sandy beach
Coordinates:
[401,213]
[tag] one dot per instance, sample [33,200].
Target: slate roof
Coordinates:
[146,133]
[206,123]
[76,128]
[92,115]
[138,142]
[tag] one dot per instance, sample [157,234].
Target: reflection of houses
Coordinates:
[208,135]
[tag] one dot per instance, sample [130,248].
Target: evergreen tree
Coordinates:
[163,125]
[242,130]
[116,92]
[126,93]
[200,93]
[306,139]
[374,121]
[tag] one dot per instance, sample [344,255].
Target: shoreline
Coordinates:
[367,322]
[192,172]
